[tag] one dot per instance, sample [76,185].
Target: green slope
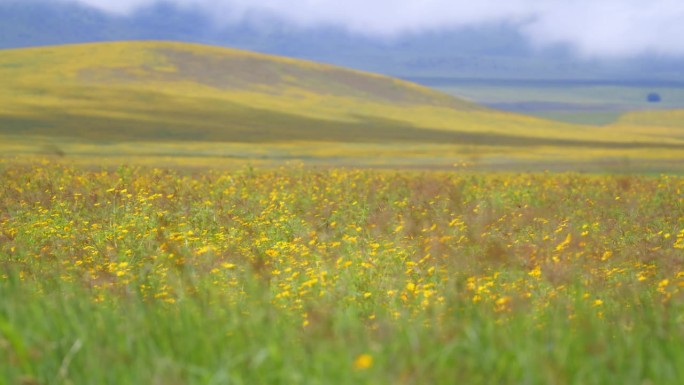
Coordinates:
[163,91]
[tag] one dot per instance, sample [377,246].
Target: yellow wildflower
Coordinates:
[363,361]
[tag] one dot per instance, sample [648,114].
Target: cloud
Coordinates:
[613,28]
[591,28]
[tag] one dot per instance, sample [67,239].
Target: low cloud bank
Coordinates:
[591,28]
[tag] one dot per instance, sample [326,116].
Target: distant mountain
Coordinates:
[496,51]
[26,23]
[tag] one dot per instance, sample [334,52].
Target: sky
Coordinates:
[590,28]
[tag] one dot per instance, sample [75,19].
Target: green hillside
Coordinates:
[165,93]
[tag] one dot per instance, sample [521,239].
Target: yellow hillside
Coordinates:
[164,93]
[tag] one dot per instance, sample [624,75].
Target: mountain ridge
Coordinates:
[493,51]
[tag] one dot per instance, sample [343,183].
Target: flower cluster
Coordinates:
[399,243]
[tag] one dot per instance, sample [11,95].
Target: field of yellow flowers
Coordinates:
[338,276]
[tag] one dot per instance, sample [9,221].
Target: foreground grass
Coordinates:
[335,276]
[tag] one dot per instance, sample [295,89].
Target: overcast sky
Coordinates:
[592,28]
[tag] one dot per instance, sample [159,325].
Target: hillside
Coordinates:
[174,91]
[165,93]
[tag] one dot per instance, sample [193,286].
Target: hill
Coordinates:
[164,92]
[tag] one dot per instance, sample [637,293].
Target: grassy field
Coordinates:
[429,156]
[316,276]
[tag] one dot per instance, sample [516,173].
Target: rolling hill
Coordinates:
[165,92]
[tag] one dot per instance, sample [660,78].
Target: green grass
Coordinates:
[58,338]
[304,276]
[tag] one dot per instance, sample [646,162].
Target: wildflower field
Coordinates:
[137,275]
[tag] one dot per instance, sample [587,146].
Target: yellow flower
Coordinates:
[363,361]
[606,255]
[536,272]
[563,245]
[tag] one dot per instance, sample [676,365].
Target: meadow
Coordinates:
[323,275]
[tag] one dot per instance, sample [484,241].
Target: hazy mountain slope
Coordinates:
[172,91]
[25,23]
